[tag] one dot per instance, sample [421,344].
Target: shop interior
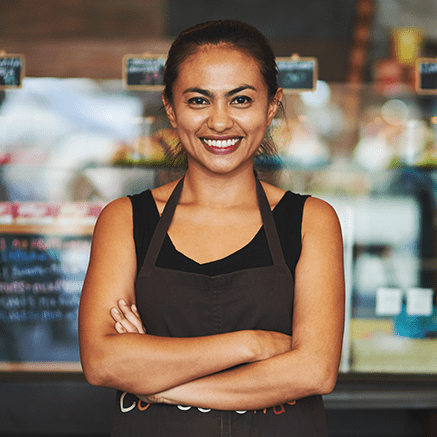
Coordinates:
[73,137]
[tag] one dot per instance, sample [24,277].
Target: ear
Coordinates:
[169,110]
[274,105]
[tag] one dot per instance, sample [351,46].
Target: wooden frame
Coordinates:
[432,76]
[13,62]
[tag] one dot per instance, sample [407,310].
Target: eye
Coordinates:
[242,101]
[197,101]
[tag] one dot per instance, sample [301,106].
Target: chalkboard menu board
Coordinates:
[44,253]
[297,74]
[143,72]
[11,71]
[426,76]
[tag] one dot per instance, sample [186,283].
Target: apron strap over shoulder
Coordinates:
[269,226]
[167,215]
[162,226]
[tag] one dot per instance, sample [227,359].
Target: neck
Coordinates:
[219,191]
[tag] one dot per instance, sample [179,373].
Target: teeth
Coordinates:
[221,143]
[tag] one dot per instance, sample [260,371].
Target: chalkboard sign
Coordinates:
[143,72]
[297,74]
[44,254]
[426,76]
[11,71]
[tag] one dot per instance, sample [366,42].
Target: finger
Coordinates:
[140,325]
[119,328]
[115,314]
[119,317]
[131,316]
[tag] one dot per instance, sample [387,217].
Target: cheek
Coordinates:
[256,123]
[189,122]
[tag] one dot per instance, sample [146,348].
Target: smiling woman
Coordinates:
[214,304]
[220,107]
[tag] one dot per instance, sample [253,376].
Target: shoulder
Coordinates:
[319,217]
[112,242]
[120,208]
[115,217]
[162,194]
[143,205]
[284,202]
[274,194]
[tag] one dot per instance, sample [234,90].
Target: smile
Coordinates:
[221,147]
[221,144]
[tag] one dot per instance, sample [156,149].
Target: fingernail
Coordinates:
[115,310]
[134,308]
[122,302]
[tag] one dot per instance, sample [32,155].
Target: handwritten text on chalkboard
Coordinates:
[41,277]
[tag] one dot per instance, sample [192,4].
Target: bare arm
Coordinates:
[311,366]
[142,363]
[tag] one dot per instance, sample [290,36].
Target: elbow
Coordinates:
[92,377]
[325,381]
[94,374]
[106,371]
[99,363]
[327,386]
[96,369]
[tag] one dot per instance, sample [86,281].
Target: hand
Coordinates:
[148,399]
[127,319]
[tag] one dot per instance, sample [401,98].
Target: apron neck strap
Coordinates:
[163,225]
[167,216]
[269,226]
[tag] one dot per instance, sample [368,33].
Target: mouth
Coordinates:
[221,147]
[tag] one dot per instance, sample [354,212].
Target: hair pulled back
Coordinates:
[236,34]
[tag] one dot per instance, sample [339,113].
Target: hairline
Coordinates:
[194,48]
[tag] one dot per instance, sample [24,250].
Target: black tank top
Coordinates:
[288,220]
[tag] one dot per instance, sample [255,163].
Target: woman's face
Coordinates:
[220,109]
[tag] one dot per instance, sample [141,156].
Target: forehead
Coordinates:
[214,65]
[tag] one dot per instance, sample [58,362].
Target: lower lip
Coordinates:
[221,150]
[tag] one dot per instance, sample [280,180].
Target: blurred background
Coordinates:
[72,138]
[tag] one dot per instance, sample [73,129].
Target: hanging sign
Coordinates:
[143,72]
[426,76]
[296,74]
[11,71]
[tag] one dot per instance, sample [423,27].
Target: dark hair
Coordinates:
[236,34]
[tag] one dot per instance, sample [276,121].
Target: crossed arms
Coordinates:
[243,370]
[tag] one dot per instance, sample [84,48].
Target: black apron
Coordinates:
[182,304]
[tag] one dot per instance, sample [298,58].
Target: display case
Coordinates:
[69,146]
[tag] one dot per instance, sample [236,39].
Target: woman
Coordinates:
[242,306]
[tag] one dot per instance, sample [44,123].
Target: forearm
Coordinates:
[126,358]
[283,378]
[142,363]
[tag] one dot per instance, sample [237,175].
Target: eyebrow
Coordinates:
[210,94]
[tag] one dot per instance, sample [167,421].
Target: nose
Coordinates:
[219,118]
